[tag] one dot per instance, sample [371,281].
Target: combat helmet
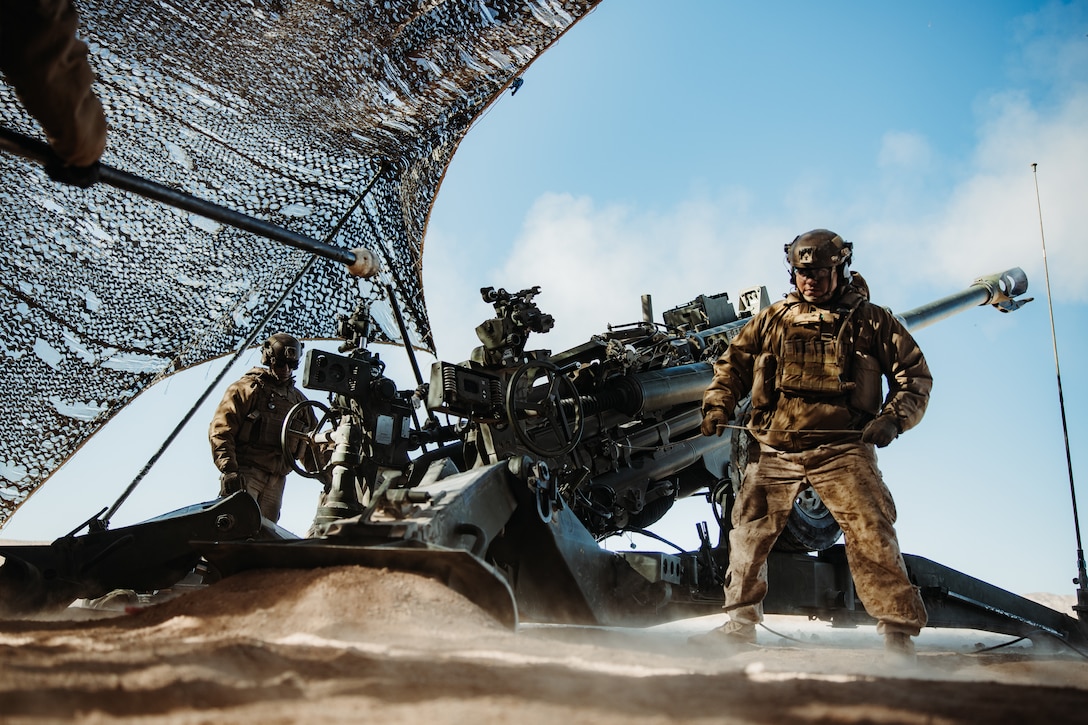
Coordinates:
[819,248]
[281,349]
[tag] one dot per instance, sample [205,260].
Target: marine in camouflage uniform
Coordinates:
[245,431]
[45,62]
[814,364]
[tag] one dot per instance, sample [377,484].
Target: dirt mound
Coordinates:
[344,603]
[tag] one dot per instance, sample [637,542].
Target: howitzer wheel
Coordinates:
[810,527]
[544,410]
[296,429]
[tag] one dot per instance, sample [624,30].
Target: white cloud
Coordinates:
[927,222]
[992,217]
[1053,51]
[594,262]
[903,151]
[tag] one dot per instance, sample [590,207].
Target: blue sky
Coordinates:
[672,148]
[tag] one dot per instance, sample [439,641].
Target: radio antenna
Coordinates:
[1081,581]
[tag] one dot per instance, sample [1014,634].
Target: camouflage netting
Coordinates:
[285,110]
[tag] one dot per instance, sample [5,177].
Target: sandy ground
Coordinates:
[363,645]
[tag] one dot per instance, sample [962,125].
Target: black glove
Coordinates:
[880,431]
[231,482]
[81,176]
[714,422]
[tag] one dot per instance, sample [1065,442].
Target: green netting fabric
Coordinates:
[282,109]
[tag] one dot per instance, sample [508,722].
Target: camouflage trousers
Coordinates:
[849,483]
[267,489]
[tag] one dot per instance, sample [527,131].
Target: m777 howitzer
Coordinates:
[612,426]
[616,418]
[552,453]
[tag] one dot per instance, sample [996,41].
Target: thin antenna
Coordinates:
[1082,574]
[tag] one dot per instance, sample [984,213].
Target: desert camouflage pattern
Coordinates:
[815,376]
[846,477]
[815,372]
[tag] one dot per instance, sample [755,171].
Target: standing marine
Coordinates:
[813,364]
[245,431]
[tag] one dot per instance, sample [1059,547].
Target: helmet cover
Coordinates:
[281,349]
[818,248]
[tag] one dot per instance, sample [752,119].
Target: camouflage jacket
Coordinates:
[47,65]
[245,431]
[816,373]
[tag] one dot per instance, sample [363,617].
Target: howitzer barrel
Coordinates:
[662,389]
[996,289]
[654,390]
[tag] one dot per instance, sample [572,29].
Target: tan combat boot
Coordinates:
[730,638]
[900,648]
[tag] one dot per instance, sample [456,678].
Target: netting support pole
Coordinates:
[102,523]
[411,355]
[39,151]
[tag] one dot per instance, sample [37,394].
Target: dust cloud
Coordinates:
[350,644]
